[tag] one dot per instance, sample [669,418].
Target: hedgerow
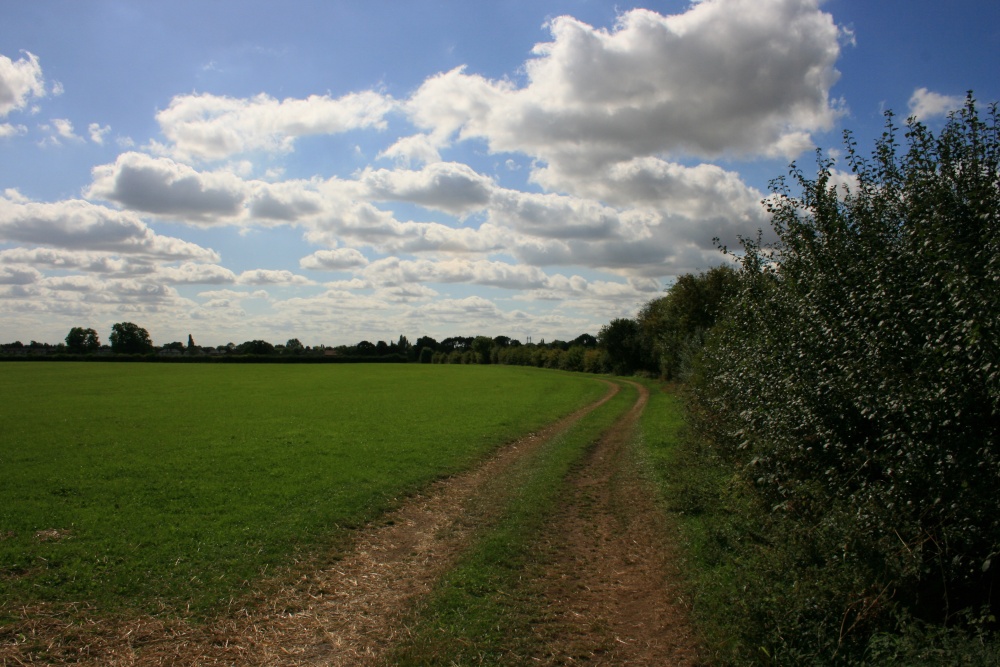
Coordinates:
[855,385]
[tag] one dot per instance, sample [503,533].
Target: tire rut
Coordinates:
[611,579]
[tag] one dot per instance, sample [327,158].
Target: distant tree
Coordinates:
[365,348]
[129,338]
[260,347]
[460,343]
[295,346]
[620,339]
[426,341]
[673,327]
[426,355]
[82,340]
[584,340]
[190,344]
[501,341]
[481,346]
[176,345]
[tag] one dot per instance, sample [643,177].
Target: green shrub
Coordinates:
[856,386]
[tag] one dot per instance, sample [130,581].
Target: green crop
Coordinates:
[147,486]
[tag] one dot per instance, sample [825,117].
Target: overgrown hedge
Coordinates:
[855,387]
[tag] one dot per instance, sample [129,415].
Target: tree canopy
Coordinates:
[129,338]
[82,340]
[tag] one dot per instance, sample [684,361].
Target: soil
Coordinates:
[608,580]
[611,578]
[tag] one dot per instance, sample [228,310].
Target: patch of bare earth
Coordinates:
[342,612]
[611,579]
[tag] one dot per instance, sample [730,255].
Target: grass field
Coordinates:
[157,486]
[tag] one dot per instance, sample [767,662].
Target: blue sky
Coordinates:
[337,171]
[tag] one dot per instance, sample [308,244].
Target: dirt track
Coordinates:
[612,582]
[611,601]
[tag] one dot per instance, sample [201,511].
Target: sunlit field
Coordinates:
[158,486]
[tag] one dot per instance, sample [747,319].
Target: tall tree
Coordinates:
[621,340]
[82,340]
[129,338]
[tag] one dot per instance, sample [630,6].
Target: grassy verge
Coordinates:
[704,502]
[176,487]
[482,612]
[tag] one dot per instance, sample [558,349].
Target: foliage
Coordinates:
[129,338]
[622,341]
[260,347]
[673,327]
[81,340]
[857,387]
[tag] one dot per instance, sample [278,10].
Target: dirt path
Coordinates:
[611,576]
[346,612]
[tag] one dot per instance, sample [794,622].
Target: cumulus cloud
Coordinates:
[19,275]
[451,187]
[93,262]
[272,277]
[338,259]
[926,104]
[19,81]
[80,225]
[416,149]
[395,271]
[169,189]
[286,202]
[211,127]
[653,84]
[191,273]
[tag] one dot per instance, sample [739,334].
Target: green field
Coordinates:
[157,486]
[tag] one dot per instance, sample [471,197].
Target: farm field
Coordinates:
[155,487]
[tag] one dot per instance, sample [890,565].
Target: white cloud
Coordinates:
[287,202]
[169,189]
[19,81]
[64,129]
[394,271]
[8,130]
[80,225]
[84,284]
[191,273]
[334,260]
[97,132]
[211,127]
[925,104]
[450,187]
[272,277]
[19,275]
[740,77]
[93,262]
[416,149]
[406,293]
